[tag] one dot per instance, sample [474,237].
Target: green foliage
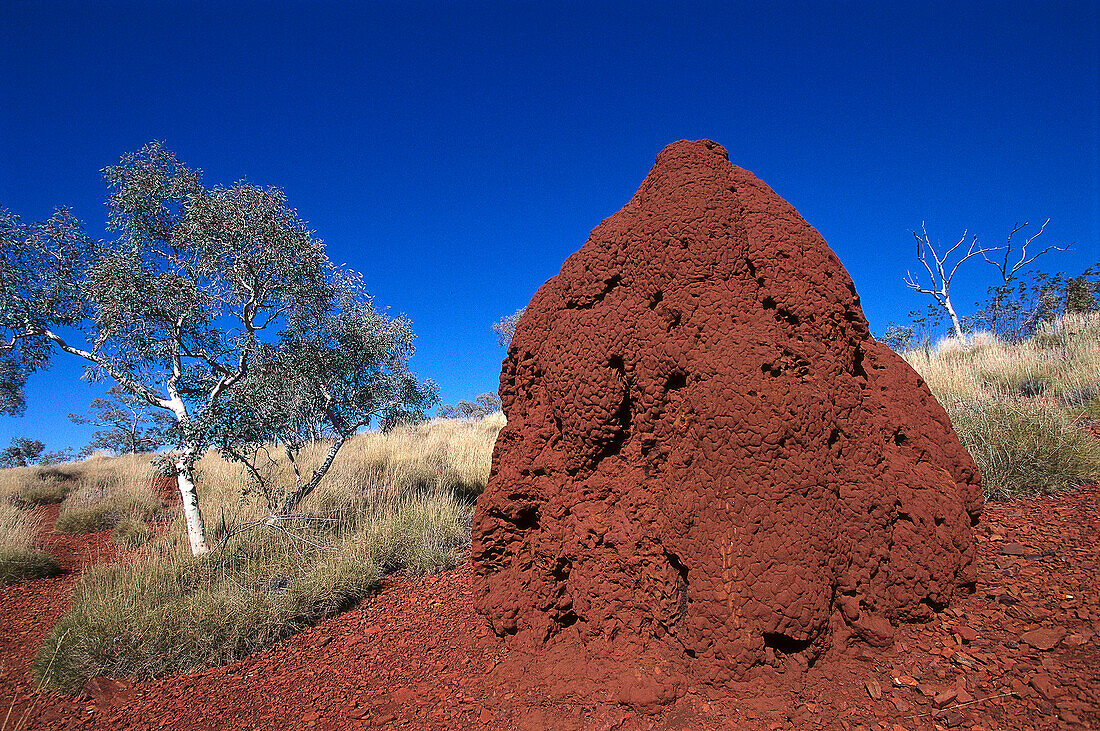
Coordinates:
[505,327]
[127,424]
[40,264]
[22,452]
[482,406]
[346,369]
[898,337]
[201,292]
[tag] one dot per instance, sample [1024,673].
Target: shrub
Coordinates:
[1024,447]
[30,486]
[19,559]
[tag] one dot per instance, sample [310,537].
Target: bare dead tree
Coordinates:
[941,271]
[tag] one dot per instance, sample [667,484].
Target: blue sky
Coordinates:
[457,152]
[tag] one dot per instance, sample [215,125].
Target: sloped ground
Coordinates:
[1022,652]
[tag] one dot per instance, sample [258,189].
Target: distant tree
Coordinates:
[22,452]
[1002,305]
[482,406]
[898,337]
[61,455]
[346,370]
[505,327]
[1082,292]
[941,271]
[127,424]
[174,306]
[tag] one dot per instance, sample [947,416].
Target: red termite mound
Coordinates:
[709,465]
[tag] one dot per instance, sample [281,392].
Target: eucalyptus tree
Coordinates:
[21,452]
[40,265]
[173,307]
[126,423]
[505,327]
[347,368]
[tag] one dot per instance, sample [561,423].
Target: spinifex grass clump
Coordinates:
[108,491]
[390,503]
[19,559]
[1024,410]
[30,486]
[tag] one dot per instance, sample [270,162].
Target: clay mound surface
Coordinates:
[709,465]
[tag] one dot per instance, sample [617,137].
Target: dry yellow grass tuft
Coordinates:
[1022,409]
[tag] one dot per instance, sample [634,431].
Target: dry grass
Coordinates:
[392,502]
[19,559]
[30,486]
[109,491]
[1022,409]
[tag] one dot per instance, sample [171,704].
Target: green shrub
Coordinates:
[31,486]
[19,559]
[85,519]
[1024,447]
[104,498]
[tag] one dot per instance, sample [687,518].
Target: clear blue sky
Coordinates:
[457,152]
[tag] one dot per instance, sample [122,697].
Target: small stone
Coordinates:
[874,689]
[1013,549]
[403,696]
[1044,638]
[967,634]
[942,699]
[1045,687]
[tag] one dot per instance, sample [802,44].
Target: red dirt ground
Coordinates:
[416,656]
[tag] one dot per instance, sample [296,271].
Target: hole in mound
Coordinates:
[527,518]
[857,363]
[785,644]
[568,620]
[834,436]
[676,381]
[934,605]
[899,438]
[656,299]
[690,653]
[769,303]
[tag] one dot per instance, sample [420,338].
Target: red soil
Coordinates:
[417,655]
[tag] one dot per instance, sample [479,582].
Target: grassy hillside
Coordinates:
[400,501]
[1024,411]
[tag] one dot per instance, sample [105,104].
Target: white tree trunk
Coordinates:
[196,530]
[954,319]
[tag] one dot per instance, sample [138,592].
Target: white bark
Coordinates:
[196,529]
